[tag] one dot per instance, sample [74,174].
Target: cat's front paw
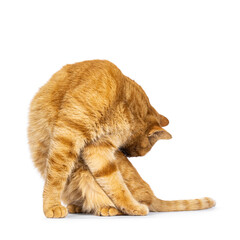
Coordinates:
[136,210]
[108,211]
[57,211]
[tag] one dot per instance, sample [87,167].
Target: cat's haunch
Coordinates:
[83,123]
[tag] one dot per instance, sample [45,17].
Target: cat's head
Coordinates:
[142,142]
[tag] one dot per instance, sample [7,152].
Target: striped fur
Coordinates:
[181,205]
[82,193]
[77,122]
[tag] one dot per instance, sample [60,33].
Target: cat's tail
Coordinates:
[159,205]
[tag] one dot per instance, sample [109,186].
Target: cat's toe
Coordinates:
[74,208]
[108,211]
[58,211]
[114,211]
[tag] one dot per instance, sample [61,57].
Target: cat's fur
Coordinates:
[82,125]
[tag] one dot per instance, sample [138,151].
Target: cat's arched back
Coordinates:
[93,112]
[105,101]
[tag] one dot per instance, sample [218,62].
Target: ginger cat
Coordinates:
[82,126]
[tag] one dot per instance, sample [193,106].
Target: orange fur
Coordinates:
[82,125]
[83,192]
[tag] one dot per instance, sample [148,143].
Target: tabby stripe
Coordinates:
[208,201]
[200,203]
[72,155]
[186,204]
[58,157]
[57,162]
[64,140]
[106,171]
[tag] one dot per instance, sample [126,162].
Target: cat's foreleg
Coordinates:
[140,190]
[101,161]
[62,156]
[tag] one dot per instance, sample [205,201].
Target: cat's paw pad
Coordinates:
[58,211]
[137,210]
[108,211]
[74,208]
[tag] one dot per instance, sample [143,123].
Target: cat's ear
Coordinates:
[163,120]
[156,133]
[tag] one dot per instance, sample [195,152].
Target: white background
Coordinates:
[185,54]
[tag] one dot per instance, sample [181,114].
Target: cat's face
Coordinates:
[142,143]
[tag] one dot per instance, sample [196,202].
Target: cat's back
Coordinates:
[91,78]
[94,73]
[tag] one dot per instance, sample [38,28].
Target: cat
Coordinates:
[83,124]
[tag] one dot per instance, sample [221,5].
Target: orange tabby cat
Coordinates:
[82,125]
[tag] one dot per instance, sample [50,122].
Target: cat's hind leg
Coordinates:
[39,140]
[140,190]
[63,153]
